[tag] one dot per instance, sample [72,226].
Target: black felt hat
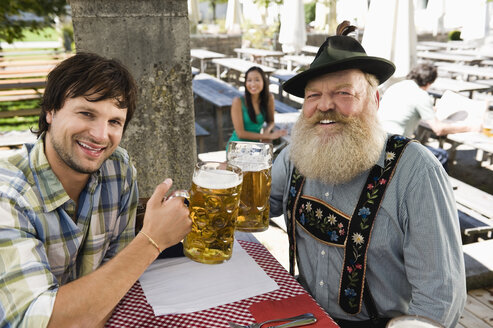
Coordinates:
[338,53]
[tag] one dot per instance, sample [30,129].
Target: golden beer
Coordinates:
[488,124]
[214,203]
[255,160]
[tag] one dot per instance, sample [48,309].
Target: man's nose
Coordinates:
[326,103]
[99,131]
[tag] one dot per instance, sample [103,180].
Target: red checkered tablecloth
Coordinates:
[134,311]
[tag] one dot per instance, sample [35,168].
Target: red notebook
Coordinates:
[290,307]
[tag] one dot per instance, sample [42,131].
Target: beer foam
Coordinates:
[249,166]
[216,179]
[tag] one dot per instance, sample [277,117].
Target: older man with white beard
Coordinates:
[371,218]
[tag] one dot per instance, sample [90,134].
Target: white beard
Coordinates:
[340,157]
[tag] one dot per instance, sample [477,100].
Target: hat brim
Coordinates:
[380,67]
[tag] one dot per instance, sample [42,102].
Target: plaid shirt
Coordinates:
[44,243]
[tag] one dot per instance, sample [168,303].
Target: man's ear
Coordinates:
[49,116]
[377,100]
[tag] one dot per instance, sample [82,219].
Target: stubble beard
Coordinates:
[70,160]
[338,157]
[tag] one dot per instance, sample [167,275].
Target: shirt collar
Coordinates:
[381,158]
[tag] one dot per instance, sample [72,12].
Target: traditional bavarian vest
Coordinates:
[336,229]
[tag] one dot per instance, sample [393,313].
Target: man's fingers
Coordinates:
[160,192]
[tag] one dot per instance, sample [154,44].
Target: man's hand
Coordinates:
[166,221]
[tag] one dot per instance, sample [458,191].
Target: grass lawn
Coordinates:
[47,34]
[18,123]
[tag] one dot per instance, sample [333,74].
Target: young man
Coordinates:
[371,218]
[68,204]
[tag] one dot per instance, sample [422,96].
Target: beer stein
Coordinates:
[255,160]
[213,203]
[488,124]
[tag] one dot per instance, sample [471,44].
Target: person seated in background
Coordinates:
[249,113]
[68,204]
[406,103]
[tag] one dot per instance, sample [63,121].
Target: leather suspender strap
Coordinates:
[354,266]
[296,185]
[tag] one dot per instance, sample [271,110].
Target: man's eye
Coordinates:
[312,95]
[115,122]
[85,114]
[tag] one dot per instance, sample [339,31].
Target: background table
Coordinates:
[133,310]
[203,56]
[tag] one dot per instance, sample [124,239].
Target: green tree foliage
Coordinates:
[310,11]
[213,4]
[12,25]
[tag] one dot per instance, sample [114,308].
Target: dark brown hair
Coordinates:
[264,97]
[89,75]
[423,74]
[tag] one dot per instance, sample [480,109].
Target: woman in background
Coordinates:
[250,112]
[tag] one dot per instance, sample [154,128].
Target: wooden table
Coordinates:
[467,71]
[298,61]
[239,65]
[441,84]
[310,49]
[257,55]
[134,310]
[204,56]
[447,45]
[450,57]
[476,140]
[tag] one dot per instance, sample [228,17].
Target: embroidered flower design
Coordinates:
[308,207]
[332,219]
[358,239]
[382,181]
[292,191]
[370,186]
[342,232]
[350,292]
[318,213]
[364,212]
[358,266]
[333,235]
[302,219]
[389,156]
[349,269]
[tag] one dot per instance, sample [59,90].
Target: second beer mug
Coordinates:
[255,160]
[214,201]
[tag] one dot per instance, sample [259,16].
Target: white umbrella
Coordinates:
[475,22]
[233,17]
[193,11]
[292,35]
[390,33]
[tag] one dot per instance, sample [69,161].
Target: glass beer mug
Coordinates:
[213,203]
[255,160]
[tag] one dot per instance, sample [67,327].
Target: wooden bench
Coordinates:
[478,260]
[32,83]
[281,107]
[475,211]
[200,134]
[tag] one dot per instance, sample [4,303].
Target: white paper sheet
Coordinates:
[180,285]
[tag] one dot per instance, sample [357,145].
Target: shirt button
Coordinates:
[321,283]
[322,252]
[326,194]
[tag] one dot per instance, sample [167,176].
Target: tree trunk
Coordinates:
[151,38]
